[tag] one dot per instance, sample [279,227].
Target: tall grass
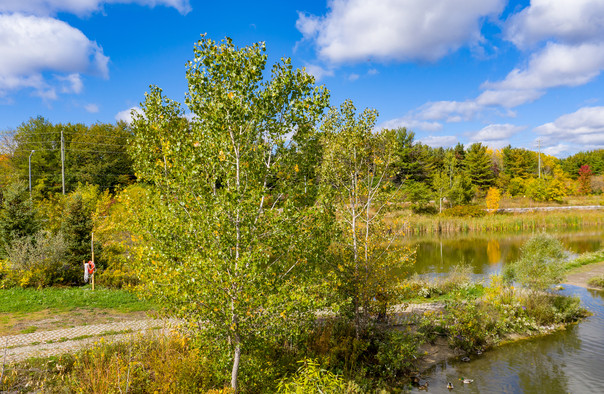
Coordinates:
[410,224]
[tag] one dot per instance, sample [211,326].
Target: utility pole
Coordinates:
[94,269]
[539,145]
[32,152]
[63,161]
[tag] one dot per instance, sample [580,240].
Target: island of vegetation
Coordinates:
[266,221]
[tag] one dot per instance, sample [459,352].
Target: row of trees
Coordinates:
[249,217]
[93,154]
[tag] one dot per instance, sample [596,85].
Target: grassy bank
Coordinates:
[469,317]
[585,259]
[411,224]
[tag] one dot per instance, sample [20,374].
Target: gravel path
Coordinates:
[48,343]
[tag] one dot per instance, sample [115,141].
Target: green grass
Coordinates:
[585,259]
[65,299]
[596,281]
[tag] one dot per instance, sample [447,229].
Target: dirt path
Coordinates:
[53,342]
[580,276]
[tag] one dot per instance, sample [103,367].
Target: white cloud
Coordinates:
[318,72]
[451,111]
[372,71]
[72,83]
[82,7]
[32,45]
[354,30]
[570,21]
[584,126]
[411,124]
[507,98]
[92,108]
[437,141]
[556,65]
[353,77]
[495,132]
[555,150]
[126,115]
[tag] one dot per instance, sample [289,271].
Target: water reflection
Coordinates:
[565,362]
[487,254]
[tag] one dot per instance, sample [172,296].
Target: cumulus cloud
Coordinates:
[584,126]
[438,141]
[81,7]
[495,135]
[92,108]
[411,124]
[31,45]
[318,72]
[556,65]
[570,21]
[126,115]
[354,30]
[555,150]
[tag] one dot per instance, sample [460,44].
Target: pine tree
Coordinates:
[18,217]
[478,166]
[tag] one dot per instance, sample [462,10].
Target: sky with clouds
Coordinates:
[492,71]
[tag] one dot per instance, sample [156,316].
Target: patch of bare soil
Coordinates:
[46,320]
[580,276]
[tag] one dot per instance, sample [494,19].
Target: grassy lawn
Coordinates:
[66,299]
[29,310]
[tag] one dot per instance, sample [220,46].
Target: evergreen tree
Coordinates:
[412,162]
[17,216]
[478,166]
[77,230]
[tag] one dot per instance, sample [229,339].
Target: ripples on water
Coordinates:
[570,361]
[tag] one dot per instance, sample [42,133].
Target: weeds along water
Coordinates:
[410,224]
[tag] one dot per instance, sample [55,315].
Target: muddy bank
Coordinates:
[580,276]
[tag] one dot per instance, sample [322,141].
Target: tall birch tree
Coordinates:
[230,240]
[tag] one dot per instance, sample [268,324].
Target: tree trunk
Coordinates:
[236,359]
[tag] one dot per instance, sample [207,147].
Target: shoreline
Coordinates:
[579,276]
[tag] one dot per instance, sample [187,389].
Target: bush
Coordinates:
[473,211]
[424,209]
[597,281]
[311,378]
[540,264]
[163,364]
[38,261]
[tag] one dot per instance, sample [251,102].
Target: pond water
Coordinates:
[570,361]
[486,253]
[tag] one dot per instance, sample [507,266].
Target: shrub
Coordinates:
[493,198]
[597,281]
[540,264]
[311,378]
[464,211]
[38,261]
[424,209]
[145,364]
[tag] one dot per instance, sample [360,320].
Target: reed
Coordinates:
[411,224]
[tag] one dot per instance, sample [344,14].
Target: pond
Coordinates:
[570,361]
[567,361]
[486,253]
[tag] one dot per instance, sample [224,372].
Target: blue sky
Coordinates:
[492,71]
